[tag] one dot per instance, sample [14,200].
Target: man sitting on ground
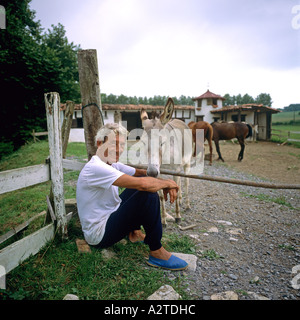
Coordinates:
[106,217]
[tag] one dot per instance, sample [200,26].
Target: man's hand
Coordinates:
[172,190]
[172,194]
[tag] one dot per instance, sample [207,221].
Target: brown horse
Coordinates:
[228,131]
[208,135]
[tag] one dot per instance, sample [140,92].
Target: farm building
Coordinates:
[254,114]
[206,103]
[208,107]
[130,113]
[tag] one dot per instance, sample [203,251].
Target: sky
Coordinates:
[173,48]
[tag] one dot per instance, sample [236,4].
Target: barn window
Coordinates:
[235,117]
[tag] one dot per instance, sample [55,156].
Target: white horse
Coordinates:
[169,146]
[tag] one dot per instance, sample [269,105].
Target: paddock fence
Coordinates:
[285,135]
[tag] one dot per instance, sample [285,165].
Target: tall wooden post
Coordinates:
[52,103]
[90,97]
[66,126]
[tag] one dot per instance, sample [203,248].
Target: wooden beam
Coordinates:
[66,126]
[51,211]
[226,180]
[73,165]
[15,179]
[14,254]
[52,103]
[90,97]
[20,227]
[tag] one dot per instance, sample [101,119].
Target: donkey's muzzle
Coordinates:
[153,171]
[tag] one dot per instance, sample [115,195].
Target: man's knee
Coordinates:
[150,195]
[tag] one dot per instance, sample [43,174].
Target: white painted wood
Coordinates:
[51,211]
[52,103]
[16,253]
[72,165]
[15,179]
[20,227]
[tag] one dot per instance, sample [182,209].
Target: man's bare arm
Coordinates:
[140,173]
[145,183]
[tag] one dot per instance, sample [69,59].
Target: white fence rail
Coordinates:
[12,180]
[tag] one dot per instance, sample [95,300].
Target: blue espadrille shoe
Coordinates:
[174,263]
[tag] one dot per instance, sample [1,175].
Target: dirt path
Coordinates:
[247,238]
[267,160]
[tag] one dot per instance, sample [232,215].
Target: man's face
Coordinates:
[111,150]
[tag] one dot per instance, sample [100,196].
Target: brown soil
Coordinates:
[268,160]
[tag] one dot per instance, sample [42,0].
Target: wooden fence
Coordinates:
[11,180]
[38,134]
[285,135]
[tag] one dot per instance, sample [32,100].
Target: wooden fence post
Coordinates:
[90,97]
[66,126]
[52,103]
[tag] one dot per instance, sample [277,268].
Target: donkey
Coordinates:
[169,146]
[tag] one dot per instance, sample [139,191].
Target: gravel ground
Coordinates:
[247,239]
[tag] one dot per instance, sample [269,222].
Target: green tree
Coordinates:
[247,99]
[229,100]
[262,98]
[265,99]
[31,64]
[56,44]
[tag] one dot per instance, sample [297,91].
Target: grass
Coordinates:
[59,268]
[264,197]
[17,206]
[211,254]
[63,270]
[28,155]
[286,117]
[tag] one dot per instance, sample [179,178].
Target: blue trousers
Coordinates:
[138,208]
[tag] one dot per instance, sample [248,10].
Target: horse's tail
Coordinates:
[249,131]
[210,133]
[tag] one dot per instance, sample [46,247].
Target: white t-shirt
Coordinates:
[96,197]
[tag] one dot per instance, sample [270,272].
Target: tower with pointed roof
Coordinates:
[205,103]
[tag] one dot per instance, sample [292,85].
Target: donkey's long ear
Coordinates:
[144,115]
[167,114]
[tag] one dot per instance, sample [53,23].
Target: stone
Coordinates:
[226,295]
[232,276]
[165,292]
[226,223]
[83,246]
[213,229]
[123,242]
[108,254]
[189,258]
[70,297]
[255,280]
[257,296]
[195,236]
[234,231]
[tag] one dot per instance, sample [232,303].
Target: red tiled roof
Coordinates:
[245,107]
[209,94]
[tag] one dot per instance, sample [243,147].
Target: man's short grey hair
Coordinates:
[105,130]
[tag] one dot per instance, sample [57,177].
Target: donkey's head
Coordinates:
[156,140]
